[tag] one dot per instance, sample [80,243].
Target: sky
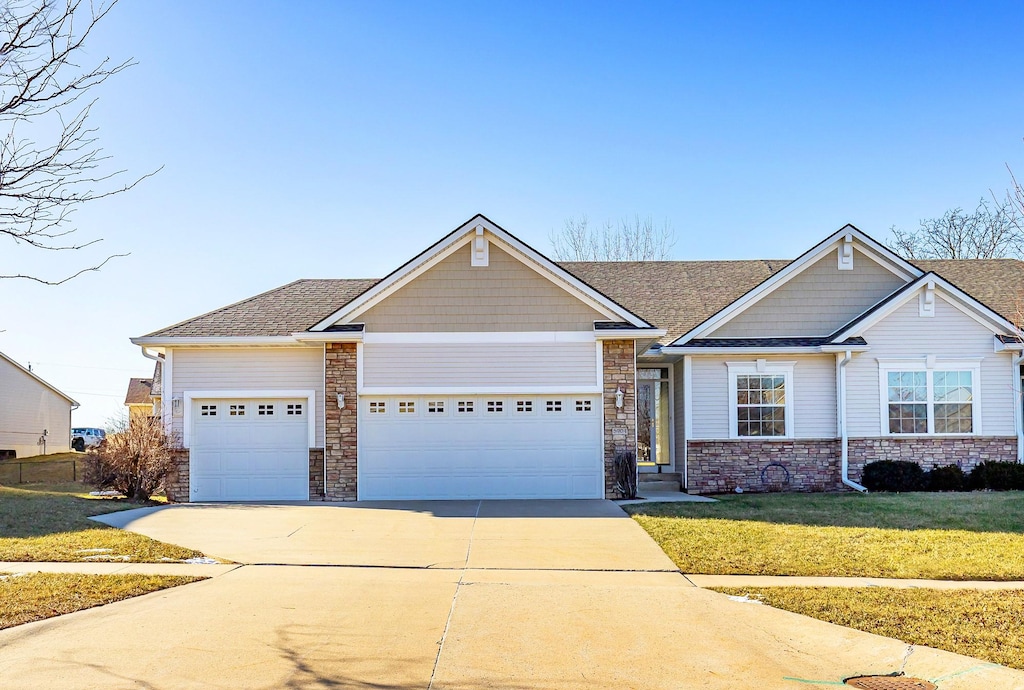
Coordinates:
[339,139]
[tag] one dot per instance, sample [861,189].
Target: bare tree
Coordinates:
[991,231]
[134,459]
[1015,195]
[50,162]
[639,239]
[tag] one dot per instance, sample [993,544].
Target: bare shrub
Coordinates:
[133,460]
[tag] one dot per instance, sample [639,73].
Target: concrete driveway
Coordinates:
[452,595]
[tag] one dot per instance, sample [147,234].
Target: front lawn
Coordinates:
[49,522]
[949,536]
[33,597]
[985,625]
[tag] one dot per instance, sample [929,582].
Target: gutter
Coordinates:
[844,440]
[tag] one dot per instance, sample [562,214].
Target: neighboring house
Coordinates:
[35,417]
[143,396]
[481,369]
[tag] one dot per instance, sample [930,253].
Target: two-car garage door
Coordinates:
[480,446]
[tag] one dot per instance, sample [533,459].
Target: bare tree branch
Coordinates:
[50,161]
[639,239]
[991,231]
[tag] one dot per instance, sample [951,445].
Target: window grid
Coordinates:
[761,405]
[553,405]
[264,410]
[435,407]
[524,406]
[464,406]
[583,406]
[236,410]
[294,409]
[208,410]
[930,402]
[495,406]
[406,407]
[378,407]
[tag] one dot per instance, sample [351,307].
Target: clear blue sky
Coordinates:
[308,139]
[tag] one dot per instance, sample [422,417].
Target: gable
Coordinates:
[504,295]
[816,302]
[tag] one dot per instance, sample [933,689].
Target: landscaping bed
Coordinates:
[982,624]
[948,536]
[49,522]
[35,596]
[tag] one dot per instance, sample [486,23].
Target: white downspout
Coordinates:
[844,440]
[1018,416]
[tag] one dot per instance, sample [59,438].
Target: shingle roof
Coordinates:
[281,311]
[139,391]
[674,295]
[769,342]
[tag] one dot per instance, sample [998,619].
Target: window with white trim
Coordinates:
[932,397]
[584,405]
[761,399]
[265,410]
[236,410]
[207,410]
[294,409]
[464,406]
[553,406]
[524,406]
[406,407]
[495,406]
[435,407]
[378,407]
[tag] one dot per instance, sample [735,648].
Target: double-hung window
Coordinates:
[761,399]
[929,396]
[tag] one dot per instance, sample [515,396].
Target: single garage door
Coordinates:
[466,447]
[249,450]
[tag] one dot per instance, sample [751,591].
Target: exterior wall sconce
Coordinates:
[619,398]
[176,406]
[341,401]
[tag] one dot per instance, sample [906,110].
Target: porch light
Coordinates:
[341,401]
[619,398]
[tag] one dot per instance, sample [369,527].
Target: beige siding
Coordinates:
[27,407]
[503,296]
[229,368]
[816,302]
[814,395]
[408,365]
[950,333]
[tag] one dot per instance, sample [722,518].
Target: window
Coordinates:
[762,399]
[464,406]
[495,406]
[524,406]
[583,406]
[407,407]
[207,410]
[761,405]
[263,410]
[236,410]
[435,407]
[553,405]
[936,399]
[294,408]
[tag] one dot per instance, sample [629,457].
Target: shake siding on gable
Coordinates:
[816,302]
[502,296]
[231,368]
[950,333]
[573,365]
[814,390]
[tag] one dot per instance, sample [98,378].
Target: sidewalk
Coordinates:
[709,581]
[193,569]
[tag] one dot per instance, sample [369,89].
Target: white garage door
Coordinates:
[438,447]
[249,450]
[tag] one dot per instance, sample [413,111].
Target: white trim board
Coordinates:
[189,396]
[482,337]
[480,390]
[454,241]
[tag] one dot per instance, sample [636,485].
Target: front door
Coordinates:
[653,419]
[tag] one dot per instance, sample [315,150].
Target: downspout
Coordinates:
[1019,416]
[844,440]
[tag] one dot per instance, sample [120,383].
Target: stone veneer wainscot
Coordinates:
[722,466]
[965,451]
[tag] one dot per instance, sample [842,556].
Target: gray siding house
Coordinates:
[482,369]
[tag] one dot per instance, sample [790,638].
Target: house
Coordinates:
[143,396]
[35,417]
[482,369]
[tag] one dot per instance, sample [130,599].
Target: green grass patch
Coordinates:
[982,624]
[52,468]
[963,536]
[49,522]
[36,596]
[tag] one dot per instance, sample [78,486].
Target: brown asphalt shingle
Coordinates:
[674,295]
[139,392]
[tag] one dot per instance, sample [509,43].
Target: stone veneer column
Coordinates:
[176,484]
[619,423]
[341,426]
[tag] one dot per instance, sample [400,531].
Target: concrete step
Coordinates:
[658,485]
